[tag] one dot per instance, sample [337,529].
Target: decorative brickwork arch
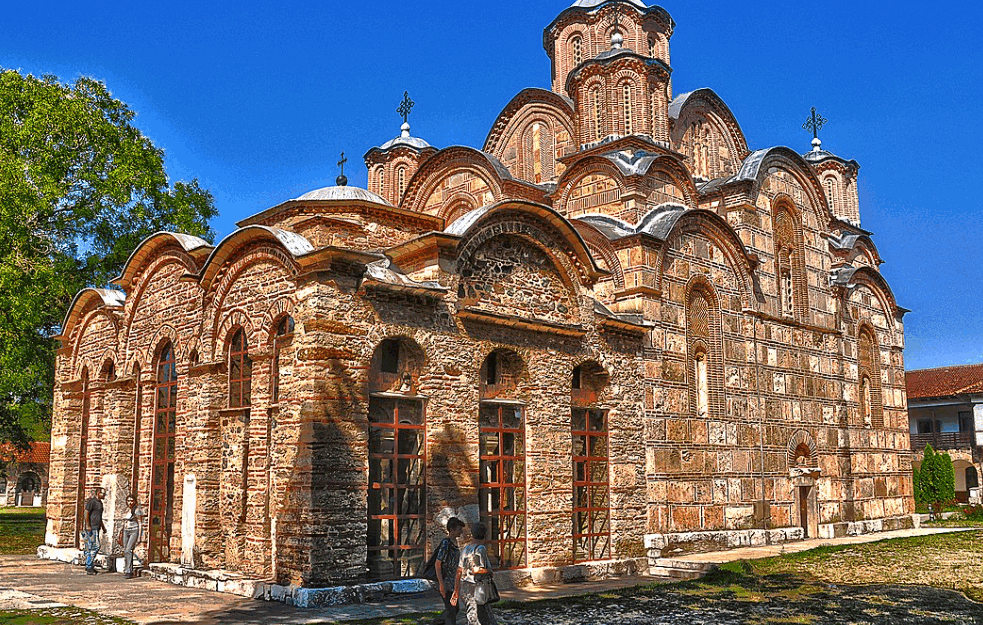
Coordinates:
[282,307]
[679,175]
[457,205]
[801,446]
[395,365]
[164,334]
[869,397]
[602,251]
[447,163]
[157,245]
[719,232]
[544,227]
[515,126]
[234,320]
[704,349]
[758,166]
[91,318]
[703,105]
[570,197]
[871,278]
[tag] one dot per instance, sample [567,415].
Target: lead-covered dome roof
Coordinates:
[343,193]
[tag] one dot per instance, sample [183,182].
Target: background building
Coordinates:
[24,475]
[612,332]
[945,410]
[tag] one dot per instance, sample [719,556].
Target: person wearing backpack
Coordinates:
[475,568]
[445,565]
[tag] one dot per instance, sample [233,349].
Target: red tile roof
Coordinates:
[944,381]
[39,453]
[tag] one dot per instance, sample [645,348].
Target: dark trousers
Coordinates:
[450,611]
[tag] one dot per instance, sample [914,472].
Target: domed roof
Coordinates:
[343,193]
[413,142]
[593,3]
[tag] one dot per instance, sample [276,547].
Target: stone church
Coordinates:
[611,332]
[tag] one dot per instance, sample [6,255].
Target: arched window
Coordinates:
[652,48]
[702,338]
[627,108]
[382,180]
[137,427]
[164,455]
[240,371]
[284,329]
[869,380]
[578,53]
[83,452]
[591,482]
[537,153]
[866,409]
[831,195]
[401,182]
[397,495]
[597,106]
[790,280]
[502,476]
[702,382]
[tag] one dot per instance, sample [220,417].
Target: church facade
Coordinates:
[613,331]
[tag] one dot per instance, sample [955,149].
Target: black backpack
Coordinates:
[429,569]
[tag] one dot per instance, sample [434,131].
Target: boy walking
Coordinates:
[448,555]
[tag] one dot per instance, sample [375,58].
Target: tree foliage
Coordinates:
[80,187]
[935,481]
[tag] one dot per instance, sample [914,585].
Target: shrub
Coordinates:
[936,481]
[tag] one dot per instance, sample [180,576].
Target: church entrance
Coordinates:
[804,509]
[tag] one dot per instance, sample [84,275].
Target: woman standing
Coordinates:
[131,533]
[474,561]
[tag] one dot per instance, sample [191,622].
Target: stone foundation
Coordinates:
[659,546]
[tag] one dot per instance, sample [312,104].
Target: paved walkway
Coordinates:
[27,582]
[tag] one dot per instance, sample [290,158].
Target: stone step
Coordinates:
[680,569]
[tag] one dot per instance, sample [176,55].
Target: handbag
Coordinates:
[485,591]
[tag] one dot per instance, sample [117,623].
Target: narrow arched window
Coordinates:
[401,181]
[283,330]
[164,455]
[537,153]
[627,106]
[382,180]
[652,48]
[866,409]
[137,426]
[597,99]
[702,383]
[831,193]
[578,52]
[83,451]
[240,371]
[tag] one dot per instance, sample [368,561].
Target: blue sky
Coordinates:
[257,100]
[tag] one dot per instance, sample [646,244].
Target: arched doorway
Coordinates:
[28,490]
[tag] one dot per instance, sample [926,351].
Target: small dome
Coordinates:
[343,193]
[587,4]
[413,142]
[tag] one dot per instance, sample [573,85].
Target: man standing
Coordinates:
[92,525]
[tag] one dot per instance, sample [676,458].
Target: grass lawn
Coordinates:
[21,530]
[847,583]
[57,616]
[950,561]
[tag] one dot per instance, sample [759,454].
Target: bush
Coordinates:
[935,482]
[973,513]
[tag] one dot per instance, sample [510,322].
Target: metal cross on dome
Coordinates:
[815,123]
[342,162]
[405,107]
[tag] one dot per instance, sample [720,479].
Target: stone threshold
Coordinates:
[76,557]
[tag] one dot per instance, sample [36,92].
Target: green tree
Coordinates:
[937,483]
[80,186]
